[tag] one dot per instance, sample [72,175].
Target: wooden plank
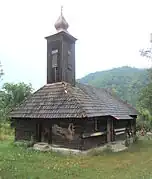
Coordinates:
[119,133]
[108,130]
[93,134]
[120,129]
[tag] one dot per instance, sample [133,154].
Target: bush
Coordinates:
[144,121]
[24,143]
[5,131]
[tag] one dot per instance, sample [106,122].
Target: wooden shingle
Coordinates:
[62,100]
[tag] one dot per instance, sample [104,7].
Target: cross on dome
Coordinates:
[61,24]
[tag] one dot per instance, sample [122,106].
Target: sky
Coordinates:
[110,34]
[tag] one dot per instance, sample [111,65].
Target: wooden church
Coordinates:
[68,114]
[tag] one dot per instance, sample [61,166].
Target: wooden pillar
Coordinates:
[133,126]
[50,135]
[81,145]
[112,131]
[108,130]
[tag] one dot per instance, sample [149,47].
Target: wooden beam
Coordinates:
[120,129]
[86,135]
[108,130]
[133,126]
[119,133]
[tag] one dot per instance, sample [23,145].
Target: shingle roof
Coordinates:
[62,100]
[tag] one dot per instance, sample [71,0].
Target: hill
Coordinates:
[125,81]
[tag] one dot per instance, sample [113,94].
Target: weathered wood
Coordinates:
[25,129]
[112,131]
[85,136]
[121,129]
[119,133]
[93,142]
[65,67]
[108,130]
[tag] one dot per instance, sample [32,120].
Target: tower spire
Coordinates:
[61,24]
[61,10]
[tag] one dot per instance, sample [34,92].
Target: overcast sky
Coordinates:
[110,34]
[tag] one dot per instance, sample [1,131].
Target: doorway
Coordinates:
[44,133]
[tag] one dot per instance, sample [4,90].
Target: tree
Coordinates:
[12,95]
[145,98]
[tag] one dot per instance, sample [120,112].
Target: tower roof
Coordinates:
[61,24]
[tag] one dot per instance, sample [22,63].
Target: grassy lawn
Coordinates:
[20,163]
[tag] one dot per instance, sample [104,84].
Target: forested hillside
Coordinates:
[125,81]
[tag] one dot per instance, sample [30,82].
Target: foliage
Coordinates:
[145,106]
[17,162]
[144,120]
[24,143]
[11,95]
[145,98]
[126,82]
[5,131]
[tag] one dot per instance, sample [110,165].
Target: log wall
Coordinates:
[61,141]
[89,133]
[96,128]
[120,128]
[25,129]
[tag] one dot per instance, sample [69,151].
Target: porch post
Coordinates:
[108,130]
[112,134]
[81,144]
[50,135]
[133,126]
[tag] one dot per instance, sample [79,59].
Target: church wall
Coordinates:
[62,135]
[94,134]
[120,128]
[79,134]
[67,133]
[24,129]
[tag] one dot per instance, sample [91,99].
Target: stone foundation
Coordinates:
[114,147]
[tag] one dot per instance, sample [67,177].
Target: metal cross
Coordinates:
[61,10]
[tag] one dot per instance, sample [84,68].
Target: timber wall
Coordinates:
[82,139]
[25,129]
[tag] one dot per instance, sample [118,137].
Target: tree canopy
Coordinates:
[126,82]
[145,98]
[11,95]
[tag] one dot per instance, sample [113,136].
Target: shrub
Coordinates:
[24,143]
[5,130]
[144,121]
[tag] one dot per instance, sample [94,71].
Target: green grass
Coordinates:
[20,163]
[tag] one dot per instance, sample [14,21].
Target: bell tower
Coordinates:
[61,54]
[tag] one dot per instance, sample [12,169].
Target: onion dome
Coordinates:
[61,24]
